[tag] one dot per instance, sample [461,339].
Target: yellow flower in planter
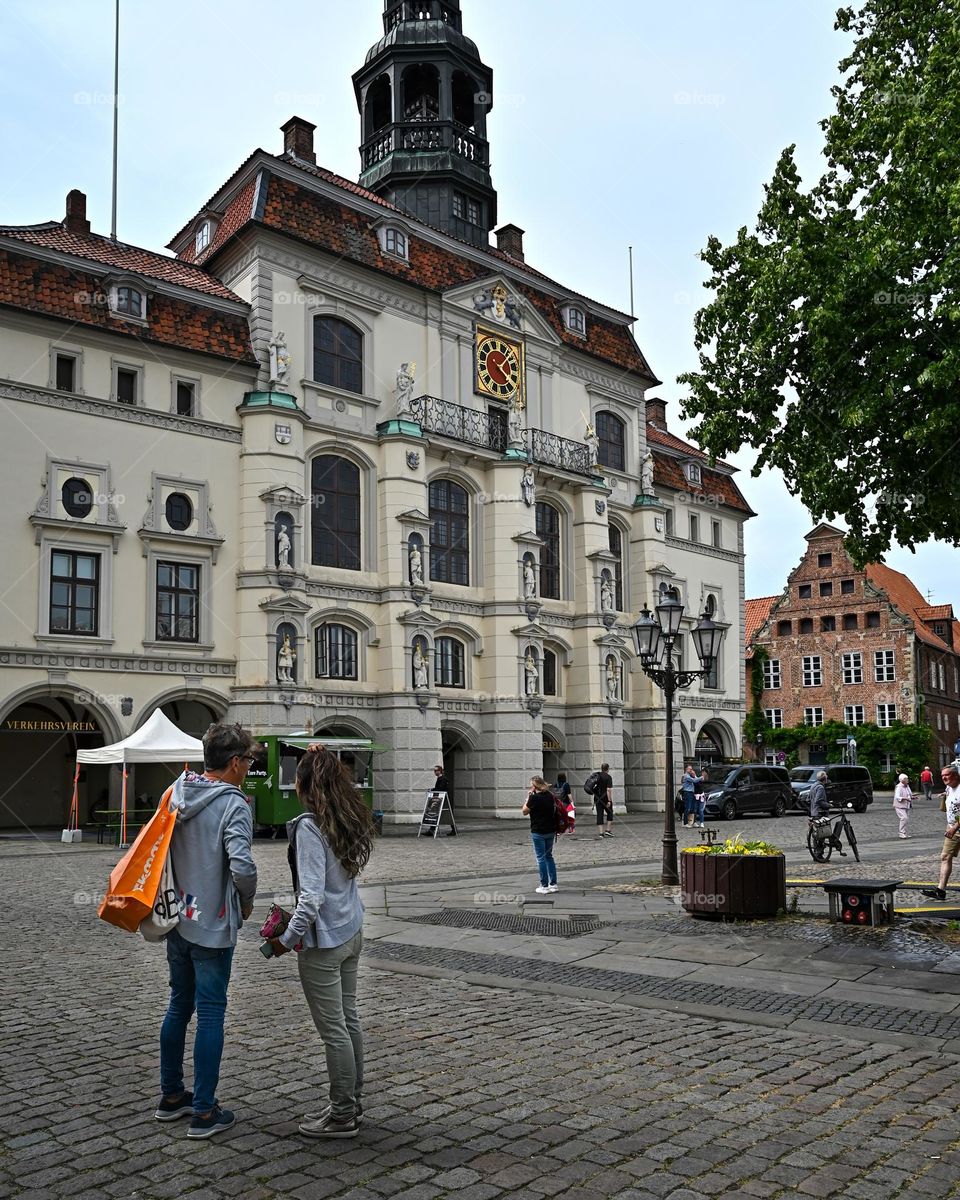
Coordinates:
[736,846]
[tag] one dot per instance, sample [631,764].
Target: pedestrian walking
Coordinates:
[951,835]
[902,803]
[701,788]
[688,786]
[440,785]
[603,801]
[926,782]
[540,808]
[330,844]
[216,880]
[564,793]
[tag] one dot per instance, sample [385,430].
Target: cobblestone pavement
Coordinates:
[490,1074]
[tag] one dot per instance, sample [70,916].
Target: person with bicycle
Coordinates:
[819,822]
[951,835]
[819,804]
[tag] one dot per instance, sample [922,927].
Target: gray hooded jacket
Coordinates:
[213,868]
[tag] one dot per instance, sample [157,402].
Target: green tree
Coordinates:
[831,343]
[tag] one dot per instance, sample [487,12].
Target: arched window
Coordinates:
[129,302]
[421,93]
[616,548]
[335,520]
[548,528]
[450,533]
[448,663]
[612,449]
[379,105]
[465,91]
[337,354]
[336,652]
[549,672]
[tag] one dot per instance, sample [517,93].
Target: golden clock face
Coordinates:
[499,366]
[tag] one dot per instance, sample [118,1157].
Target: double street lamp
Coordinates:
[655,638]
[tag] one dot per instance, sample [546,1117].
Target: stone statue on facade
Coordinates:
[646,475]
[283,548]
[420,676]
[531,674]
[416,565]
[279,360]
[613,679]
[593,445]
[529,580]
[515,425]
[285,660]
[404,389]
[606,593]
[528,486]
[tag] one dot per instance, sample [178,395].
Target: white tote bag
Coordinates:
[165,914]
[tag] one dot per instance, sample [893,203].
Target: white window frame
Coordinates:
[113,299]
[575,320]
[852,666]
[854,714]
[813,717]
[192,381]
[774,717]
[812,674]
[167,551]
[437,682]
[53,539]
[400,247]
[357,651]
[884,711]
[884,666]
[695,527]
[117,365]
[693,472]
[58,350]
[204,236]
[771,672]
[943,677]
[716,528]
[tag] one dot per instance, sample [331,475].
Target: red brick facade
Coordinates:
[856,646]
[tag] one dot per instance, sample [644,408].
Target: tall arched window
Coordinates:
[616,548]
[336,652]
[337,354]
[378,110]
[450,533]
[612,449]
[548,528]
[449,663]
[335,509]
[549,672]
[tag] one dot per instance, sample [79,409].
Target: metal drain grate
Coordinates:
[466,918]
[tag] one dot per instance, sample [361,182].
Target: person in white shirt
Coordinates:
[902,800]
[951,835]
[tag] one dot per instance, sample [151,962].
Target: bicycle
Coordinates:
[822,839]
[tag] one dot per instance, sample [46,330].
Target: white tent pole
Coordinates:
[123,811]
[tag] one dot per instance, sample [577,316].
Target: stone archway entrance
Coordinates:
[193,716]
[709,747]
[553,755]
[39,740]
[455,754]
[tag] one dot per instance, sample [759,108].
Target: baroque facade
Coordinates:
[855,646]
[395,482]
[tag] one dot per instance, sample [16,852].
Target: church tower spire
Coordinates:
[424,95]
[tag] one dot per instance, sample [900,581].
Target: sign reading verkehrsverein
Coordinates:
[50,726]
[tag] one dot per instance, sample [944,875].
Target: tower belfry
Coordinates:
[424,95]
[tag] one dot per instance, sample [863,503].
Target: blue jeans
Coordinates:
[543,849]
[328,976]
[689,804]
[198,980]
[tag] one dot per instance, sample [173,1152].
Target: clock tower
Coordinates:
[424,96]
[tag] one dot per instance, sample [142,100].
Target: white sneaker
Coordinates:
[541,889]
[552,887]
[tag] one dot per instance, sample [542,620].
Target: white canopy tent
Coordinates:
[157,740]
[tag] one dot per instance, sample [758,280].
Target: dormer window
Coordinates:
[692,471]
[395,242]
[575,320]
[128,301]
[204,233]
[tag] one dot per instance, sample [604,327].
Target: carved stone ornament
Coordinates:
[601,507]
[283,434]
[413,459]
[499,304]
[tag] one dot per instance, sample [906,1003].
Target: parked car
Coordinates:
[747,788]
[847,787]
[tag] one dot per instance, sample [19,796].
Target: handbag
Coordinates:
[135,880]
[276,924]
[165,914]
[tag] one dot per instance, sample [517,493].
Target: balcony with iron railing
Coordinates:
[414,136]
[476,428]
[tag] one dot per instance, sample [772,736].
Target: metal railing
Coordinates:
[556,451]
[463,424]
[425,135]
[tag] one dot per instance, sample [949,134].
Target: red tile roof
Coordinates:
[101,250]
[904,594]
[936,612]
[669,472]
[755,614]
[74,294]
[334,226]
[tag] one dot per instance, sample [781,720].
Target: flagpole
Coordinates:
[116,106]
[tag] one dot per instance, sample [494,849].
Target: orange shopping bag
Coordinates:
[135,880]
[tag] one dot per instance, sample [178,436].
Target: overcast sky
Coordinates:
[615,123]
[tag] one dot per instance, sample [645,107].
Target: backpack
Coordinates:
[561,822]
[591,782]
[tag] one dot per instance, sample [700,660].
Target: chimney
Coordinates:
[76,219]
[510,241]
[657,412]
[298,139]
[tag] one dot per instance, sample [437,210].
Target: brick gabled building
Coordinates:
[855,646]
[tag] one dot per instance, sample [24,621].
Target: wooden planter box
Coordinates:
[733,885]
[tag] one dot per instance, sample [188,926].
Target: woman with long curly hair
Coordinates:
[330,844]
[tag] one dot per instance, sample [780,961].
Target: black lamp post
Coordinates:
[655,637]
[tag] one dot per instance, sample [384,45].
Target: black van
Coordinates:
[847,787]
[751,787]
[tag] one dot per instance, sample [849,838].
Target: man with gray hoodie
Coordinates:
[216,881]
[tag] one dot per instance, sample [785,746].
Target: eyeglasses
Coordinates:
[249,759]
